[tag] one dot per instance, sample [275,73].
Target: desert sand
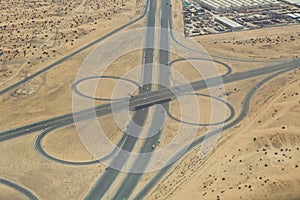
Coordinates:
[36,33]
[279,43]
[52,96]
[257,159]
[9,193]
[55,34]
[46,178]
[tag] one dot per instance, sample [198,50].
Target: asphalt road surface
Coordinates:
[245,107]
[141,163]
[109,176]
[19,188]
[15,85]
[144,100]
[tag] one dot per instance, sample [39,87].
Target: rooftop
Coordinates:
[293,1]
[229,22]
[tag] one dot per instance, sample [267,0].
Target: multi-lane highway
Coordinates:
[75,53]
[140,104]
[244,110]
[146,99]
[228,77]
[140,164]
[106,180]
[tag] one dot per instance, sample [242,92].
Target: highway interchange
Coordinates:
[160,96]
[109,176]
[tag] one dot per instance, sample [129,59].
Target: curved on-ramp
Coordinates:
[30,195]
[197,142]
[76,52]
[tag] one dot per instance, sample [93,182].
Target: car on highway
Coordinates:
[153,146]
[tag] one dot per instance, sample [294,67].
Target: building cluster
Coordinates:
[292,2]
[234,5]
[202,20]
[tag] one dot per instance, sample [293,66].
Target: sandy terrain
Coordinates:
[10,194]
[204,107]
[270,43]
[21,67]
[46,178]
[258,159]
[34,37]
[51,88]
[52,96]
[64,143]
[191,70]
